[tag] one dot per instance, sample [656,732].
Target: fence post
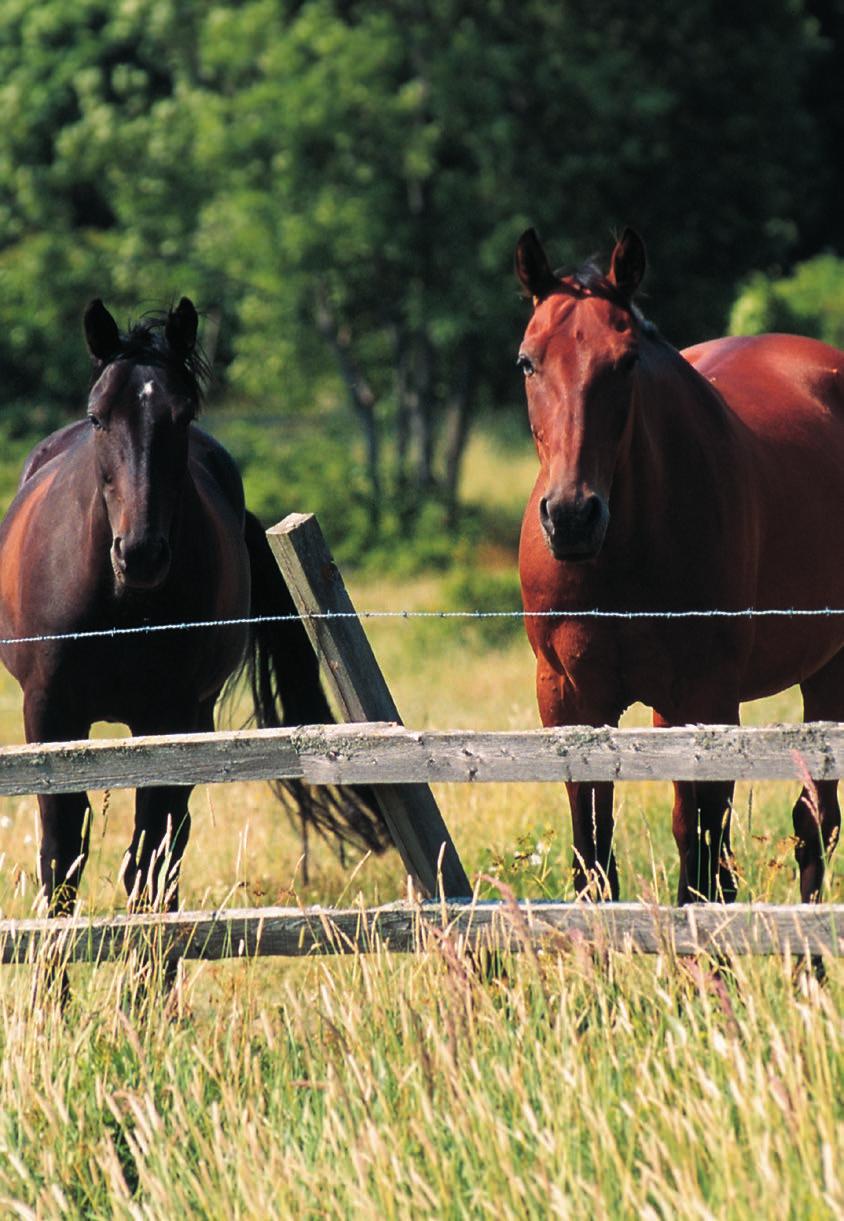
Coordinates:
[355,680]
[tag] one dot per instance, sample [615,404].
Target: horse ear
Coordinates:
[532,267]
[180,328]
[101,333]
[628,262]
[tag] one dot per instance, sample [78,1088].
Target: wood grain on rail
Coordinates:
[387,754]
[402,927]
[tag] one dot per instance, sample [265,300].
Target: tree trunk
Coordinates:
[458,420]
[361,399]
[415,422]
[424,413]
[402,425]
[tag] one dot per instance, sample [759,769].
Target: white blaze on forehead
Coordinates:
[146,390]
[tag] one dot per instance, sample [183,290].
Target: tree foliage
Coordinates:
[343,181]
[808,302]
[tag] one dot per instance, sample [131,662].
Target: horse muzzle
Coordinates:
[141,564]
[574,529]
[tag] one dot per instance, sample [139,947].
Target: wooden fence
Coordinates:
[392,754]
[401,763]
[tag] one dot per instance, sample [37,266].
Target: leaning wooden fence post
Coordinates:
[354,676]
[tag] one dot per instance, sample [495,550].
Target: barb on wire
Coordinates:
[144,629]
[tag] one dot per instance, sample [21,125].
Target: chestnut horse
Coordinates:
[131,518]
[707,479]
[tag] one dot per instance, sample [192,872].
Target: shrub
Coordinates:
[808,302]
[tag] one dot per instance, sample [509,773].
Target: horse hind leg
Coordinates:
[817,814]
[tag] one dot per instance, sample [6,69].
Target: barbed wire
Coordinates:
[143,629]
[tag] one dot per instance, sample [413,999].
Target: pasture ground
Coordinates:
[399,1087]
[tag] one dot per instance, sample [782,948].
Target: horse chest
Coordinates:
[602,667]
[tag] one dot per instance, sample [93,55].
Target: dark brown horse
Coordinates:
[130,518]
[708,479]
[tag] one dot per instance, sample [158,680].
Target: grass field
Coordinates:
[578,1085]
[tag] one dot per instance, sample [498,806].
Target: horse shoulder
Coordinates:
[58,443]
[211,461]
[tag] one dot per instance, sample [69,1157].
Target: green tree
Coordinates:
[343,181]
[98,192]
[377,164]
[808,302]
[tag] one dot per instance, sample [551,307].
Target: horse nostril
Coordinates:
[141,563]
[591,510]
[544,515]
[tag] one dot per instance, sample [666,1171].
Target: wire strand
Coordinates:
[199,624]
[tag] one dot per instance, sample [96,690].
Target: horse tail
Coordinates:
[283,673]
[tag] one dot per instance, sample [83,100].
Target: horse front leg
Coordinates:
[162,820]
[65,839]
[65,826]
[594,867]
[154,857]
[593,860]
[701,826]
[64,817]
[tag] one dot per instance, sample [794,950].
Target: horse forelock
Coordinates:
[146,342]
[589,281]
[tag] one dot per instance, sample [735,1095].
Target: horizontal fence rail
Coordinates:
[294,932]
[383,753]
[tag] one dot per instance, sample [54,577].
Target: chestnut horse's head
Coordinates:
[144,395]
[579,356]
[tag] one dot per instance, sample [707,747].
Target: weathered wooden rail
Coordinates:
[403,927]
[389,754]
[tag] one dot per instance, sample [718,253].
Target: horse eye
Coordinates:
[95,422]
[184,411]
[524,362]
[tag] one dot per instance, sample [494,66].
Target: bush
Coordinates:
[809,302]
[482,589]
[312,467]
[21,426]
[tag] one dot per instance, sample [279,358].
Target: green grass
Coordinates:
[577,1084]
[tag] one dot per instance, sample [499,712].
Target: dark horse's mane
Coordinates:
[146,340]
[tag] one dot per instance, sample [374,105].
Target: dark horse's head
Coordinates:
[145,393]
[579,356]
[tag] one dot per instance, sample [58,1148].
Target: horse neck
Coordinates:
[681,442]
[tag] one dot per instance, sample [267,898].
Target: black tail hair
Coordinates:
[283,672]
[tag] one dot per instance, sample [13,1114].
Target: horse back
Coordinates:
[787,393]
[771,381]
